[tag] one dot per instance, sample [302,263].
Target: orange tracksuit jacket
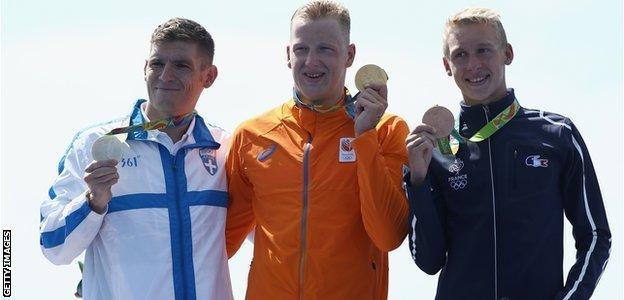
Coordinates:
[322,227]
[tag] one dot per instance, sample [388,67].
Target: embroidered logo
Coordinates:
[262,156]
[209,159]
[536,162]
[457,182]
[456,166]
[346,152]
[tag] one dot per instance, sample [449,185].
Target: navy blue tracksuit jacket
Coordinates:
[492,217]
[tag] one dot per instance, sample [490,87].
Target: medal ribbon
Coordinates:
[484,133]
[157,124]
[348,104]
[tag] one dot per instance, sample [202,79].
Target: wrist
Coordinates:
[95,206]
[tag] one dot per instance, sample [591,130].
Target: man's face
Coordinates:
[477,62]
[176,73]
[319,56]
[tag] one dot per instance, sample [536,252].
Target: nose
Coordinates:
[474,63]
[312,59]
[168,73]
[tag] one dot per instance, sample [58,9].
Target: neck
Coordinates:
[326,102]
[175,133]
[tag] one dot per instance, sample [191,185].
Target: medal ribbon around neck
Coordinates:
[483,134]
[157,124]
[348,104]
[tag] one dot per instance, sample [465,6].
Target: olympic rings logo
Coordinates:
[458,184]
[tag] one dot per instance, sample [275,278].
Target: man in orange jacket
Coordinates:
[319,176]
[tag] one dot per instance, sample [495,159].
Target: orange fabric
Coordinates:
[336,247]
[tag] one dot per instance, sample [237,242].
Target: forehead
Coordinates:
[175,50]
[465,36]
[321,30]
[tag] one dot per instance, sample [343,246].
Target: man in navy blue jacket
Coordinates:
[490,216]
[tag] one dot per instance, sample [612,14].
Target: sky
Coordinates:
[67,64]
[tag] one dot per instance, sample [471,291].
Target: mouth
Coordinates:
[163,89]
[477,81]
[314,76]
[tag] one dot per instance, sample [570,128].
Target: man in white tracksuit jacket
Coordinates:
[152,224]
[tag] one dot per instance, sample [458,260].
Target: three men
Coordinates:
[491,216]
[319,176]
[153,223]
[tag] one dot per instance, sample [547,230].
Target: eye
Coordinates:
[460,54]
[484,50]
[299,49]
[156,64]
[182,66]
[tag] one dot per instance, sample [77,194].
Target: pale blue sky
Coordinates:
[68,64]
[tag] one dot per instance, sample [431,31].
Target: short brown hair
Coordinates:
[179,29]
[320,9]
[474,15]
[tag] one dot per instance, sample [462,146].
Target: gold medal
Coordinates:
[370,74]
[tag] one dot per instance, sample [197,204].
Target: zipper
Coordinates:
[179,215]
[487,120]
[514,170]
[304,213]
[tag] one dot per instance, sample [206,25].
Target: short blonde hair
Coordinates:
[320,9]
[474,15]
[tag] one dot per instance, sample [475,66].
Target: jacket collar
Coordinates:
[201,133]
[473,117]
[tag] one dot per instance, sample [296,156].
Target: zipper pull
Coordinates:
[515,154]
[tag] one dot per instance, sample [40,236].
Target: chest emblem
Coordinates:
[209,159]
[536,162]
[346,153]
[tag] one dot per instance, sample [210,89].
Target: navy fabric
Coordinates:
[492,219]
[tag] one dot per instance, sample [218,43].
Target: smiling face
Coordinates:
[319,55]
[176,73]
[476,59]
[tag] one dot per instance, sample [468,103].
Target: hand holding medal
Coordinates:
[371,101]
[107,147]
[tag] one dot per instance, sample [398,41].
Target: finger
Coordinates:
[97,164]
[101,181]
[99,172]
[376,96]
[419,144]
[380,88]
[368,102]
[424,128]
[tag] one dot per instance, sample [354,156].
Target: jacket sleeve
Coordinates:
[381,155]
[240,218]
[68,225]
[427,239]
[585,210]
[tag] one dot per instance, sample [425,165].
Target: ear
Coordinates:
[447,67]
[288,56]
[145,71]
[350,55]
[212,73]
[509,55]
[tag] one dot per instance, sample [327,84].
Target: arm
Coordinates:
[426,240]
[68,224]
[240,218]
[381,155]
[584,209]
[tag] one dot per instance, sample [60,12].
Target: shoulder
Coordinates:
[264,122]
[391,124]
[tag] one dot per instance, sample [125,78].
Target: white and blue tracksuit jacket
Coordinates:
[492,219]
[163,235]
